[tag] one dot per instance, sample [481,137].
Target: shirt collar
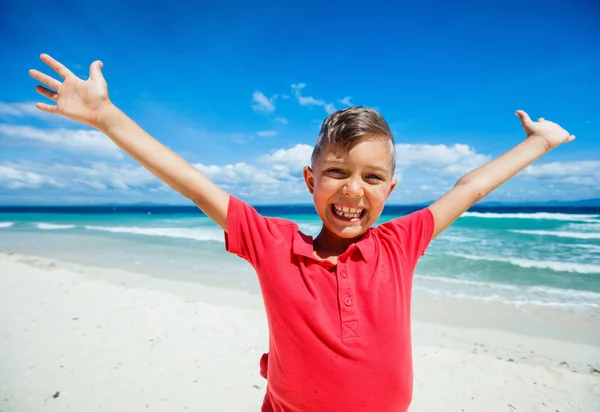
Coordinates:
[303,246]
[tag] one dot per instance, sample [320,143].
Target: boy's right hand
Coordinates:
[77,99]
[87,102]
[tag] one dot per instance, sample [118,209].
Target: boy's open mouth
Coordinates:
[347,214]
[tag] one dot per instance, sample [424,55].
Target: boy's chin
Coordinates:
[348,232]
[352,234]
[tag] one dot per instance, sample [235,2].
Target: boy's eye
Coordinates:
[336,171]
[374,177]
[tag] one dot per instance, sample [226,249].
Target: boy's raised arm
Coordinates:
[88,102]
[542,136]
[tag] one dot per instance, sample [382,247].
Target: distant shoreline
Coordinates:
[594,202]
[283,209]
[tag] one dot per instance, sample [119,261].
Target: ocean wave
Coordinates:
[578,245]
[200,234]
[537,264]
[574,235]
[52,226]
[526,290]
[592,227]
[309,229]
[6,224]
[457,238]
[517,301]
[537,216]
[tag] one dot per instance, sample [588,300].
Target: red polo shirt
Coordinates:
[339,334]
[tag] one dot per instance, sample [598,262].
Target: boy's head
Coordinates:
[352,171]
[349,127]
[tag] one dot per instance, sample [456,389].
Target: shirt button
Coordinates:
[348,301]
[343,274]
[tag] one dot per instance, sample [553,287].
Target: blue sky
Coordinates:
[239,89]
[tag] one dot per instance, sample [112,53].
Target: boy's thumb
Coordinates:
[96,70]
[523,116]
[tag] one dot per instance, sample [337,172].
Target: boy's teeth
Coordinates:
[348,212]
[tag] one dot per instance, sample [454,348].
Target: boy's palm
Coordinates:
[79,100]
[551,132]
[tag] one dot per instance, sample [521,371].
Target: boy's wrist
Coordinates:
[539,141]
[106,117]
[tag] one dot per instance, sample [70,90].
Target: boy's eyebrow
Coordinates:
[373,167]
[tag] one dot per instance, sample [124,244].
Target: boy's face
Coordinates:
[350,189]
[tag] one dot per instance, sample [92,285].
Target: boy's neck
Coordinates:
[328,246]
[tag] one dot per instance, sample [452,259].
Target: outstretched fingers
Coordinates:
[47,108]
[56,66]
[47,93]
[44,78]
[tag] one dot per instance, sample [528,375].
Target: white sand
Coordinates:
[109,340]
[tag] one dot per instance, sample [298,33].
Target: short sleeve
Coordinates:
[249,235]
[413,232]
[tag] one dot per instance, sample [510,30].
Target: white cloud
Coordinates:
[556,169]
[305,100]
[440,159]
[96,176]
[262,103]
[13,178]
[294,159]
[267,133]
[238,173]
[281,120]
[309,100]
[89,142]
[273,183]
[27,109]
[280,172]
[428,170]
[346,101]
[583,173]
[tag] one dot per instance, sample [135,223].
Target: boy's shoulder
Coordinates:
[417,223]
[412,232]
[283,225]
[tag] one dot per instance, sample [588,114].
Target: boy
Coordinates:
[338,306]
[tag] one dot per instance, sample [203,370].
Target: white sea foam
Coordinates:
[518,301]
[52,226]
[6,224]
[574,235]
[537,216]
[592,227]
[309,229]
[567,294]
[459,239]
[578,245]
[197,233]
[538,264]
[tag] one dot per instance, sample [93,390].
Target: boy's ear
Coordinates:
[392,187]
[309,178]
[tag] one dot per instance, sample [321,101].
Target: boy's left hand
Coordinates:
[551,133]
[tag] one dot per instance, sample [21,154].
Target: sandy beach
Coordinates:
[82,338]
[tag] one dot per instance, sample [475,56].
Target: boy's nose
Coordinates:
[353,188]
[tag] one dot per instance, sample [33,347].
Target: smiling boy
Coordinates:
[338,306]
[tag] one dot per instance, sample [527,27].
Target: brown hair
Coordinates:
[348,127]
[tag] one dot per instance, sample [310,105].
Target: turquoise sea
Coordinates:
[522,256]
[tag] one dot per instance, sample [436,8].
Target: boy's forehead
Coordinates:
[370,152]
[370,149]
